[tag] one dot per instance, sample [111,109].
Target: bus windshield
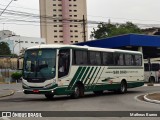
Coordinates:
[39,64]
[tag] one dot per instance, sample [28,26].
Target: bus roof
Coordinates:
[81,47]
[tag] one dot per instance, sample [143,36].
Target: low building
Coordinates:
[6,33]
[19,43]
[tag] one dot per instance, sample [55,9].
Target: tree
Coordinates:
[4,49]
[109,30]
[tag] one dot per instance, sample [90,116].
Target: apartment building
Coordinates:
[62,21]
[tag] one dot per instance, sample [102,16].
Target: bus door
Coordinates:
[64,64]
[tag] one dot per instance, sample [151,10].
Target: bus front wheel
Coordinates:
[152,80]
[49,96]
[78,91]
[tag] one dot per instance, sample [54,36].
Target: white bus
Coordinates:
[152,71]
[72,70]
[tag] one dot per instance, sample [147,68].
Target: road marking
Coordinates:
[4,118]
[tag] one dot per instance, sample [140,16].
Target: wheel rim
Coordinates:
[76,90]
[123,87]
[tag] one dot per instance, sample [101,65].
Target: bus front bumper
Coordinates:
[34,91]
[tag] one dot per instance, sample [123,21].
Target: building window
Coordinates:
[61,36]
[55,25]
[54,15]
[61,41]
[70,10]
[75,15]
[54,4]
[76,36]
[76,31]
[55,41]
[55,36]
[55,20]
[36,42]
[59,4]
[60,25]
[55,30]
[60,30]
[60,10]
[54,10]
[75,10]
[71,36]
[26,41]
[75,5]
[75,26]
[71,30]
[76,41]
[42,43]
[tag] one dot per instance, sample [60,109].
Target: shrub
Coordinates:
[16,76]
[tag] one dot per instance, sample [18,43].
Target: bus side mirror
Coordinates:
[20,63]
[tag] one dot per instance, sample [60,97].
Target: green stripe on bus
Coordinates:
[79,77]
[88,75]
[92,76]
[99,77]
[74,77]
[85,74]
[96,76]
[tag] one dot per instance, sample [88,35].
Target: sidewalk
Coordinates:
[9,89]
[153,97]
[5,93]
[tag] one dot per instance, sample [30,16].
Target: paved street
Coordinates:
[107,102]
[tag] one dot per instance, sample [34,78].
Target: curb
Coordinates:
[149,100]
[6,95]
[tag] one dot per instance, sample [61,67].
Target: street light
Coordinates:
[6,7]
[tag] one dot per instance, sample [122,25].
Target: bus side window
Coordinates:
[63,62]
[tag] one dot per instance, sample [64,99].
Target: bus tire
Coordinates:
[77,92]
[151,79]
[123,87]
[49,96]
[98,92]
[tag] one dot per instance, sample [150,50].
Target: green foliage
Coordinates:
[109,30]
[16,76]
[4,49]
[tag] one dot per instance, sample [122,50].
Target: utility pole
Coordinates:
[84,29]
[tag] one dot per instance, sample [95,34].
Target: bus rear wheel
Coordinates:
[49,96]
[123,87]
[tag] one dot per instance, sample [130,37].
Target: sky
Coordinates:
[141,12]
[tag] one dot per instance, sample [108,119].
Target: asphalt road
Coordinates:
[107,102]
